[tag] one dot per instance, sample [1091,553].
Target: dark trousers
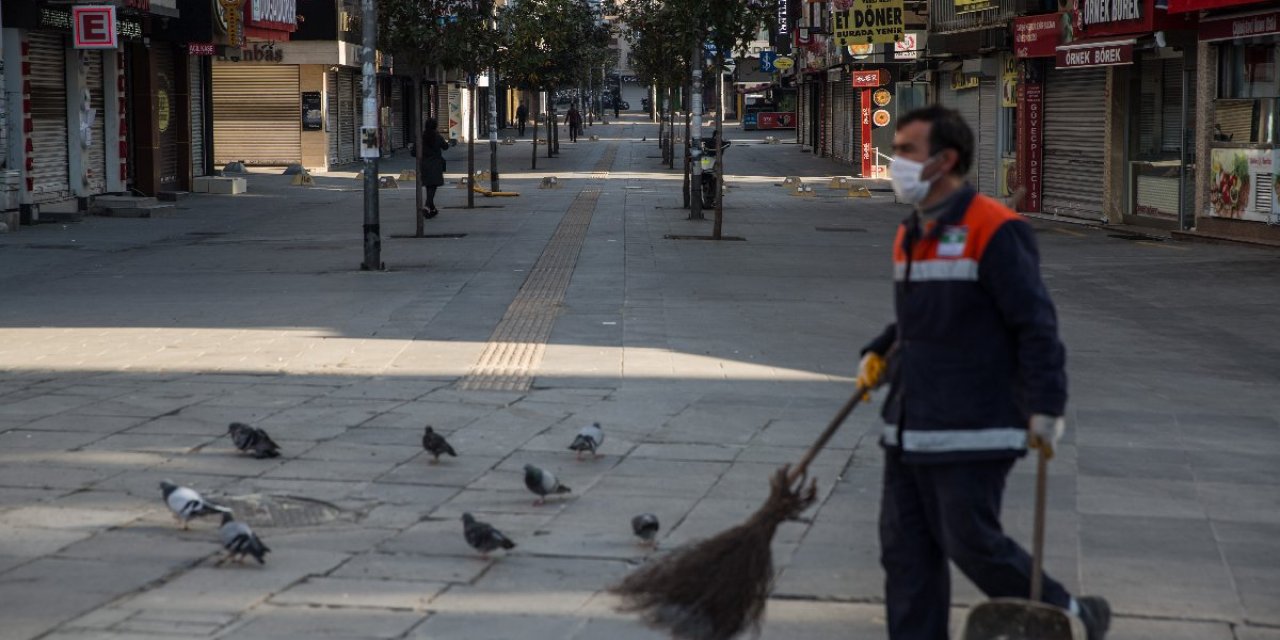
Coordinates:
[573,132]
[521,127]
[932,513]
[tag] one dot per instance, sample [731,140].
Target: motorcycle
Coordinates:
[710,166]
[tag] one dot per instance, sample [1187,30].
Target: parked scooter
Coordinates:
[710,168]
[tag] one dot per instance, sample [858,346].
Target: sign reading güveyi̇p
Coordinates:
[1100,54]
[869,21]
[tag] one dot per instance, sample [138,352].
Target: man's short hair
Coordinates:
[947,130]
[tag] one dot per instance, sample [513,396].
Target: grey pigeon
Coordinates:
[436,445]
[645,526]
[482,536]
[589,439]
[186,504]
[253,440]
[542,482]
[239,540]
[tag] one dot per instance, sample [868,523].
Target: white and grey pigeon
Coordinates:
[186,504]
[239,540]
[542,482]
[253,440]
[645,526]
[588,439]
[482,536]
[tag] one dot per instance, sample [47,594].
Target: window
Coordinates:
[1248,71]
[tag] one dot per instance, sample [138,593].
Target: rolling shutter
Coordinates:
[985,131]
[48,55]
[839,121]
[346,116]
[256,114]
[397,113]
[968,103]
[95,156]
[195,80]
[1074,142]
[828,116]
[1171,106]
[331,114]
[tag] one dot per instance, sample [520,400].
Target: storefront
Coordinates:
[258,93]
[1238,192]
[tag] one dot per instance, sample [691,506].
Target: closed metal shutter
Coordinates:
[1149,78]
[828,117]
[195,81]
[855,130]
[168,114]
[985,133]
[256,114]
[840,119]
[346,116]
[968,103]
[397,113]
[802,106]
[1074,142]
[95,159]
[1171,106]
[48,56]
[331,114]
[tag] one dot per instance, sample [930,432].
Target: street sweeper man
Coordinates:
[976,373]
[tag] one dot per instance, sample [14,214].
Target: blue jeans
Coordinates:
[932,513]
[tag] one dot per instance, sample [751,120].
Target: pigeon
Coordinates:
[186,504]
[482,536]
[589,439]
[239,541]
[542,482]
[645,526]
[253,440]
[435,444]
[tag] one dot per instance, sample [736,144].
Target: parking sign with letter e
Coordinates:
[94,27]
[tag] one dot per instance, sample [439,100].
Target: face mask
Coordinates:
[907,184]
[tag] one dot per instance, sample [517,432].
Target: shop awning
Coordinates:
[755,87]
[1104,53]
[1233,27]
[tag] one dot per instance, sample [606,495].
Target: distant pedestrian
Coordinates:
[431,169]
[617,104]
[976,373]
[522,116]
[574,120]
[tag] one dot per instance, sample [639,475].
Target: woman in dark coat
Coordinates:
[431,169]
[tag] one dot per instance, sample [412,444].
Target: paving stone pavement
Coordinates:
[126,346]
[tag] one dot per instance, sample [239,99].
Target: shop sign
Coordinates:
[257,52]
[782,38]
[909,47]
[869,21]
[971,6]
[1037,36]
[274,14]
[1260,24]
[1101,54]
[1184,6]
[866,133]
[775,120]
[60,20]
[1009,83]
[961,81]
[783,63]
[312,111]
[229,16]
[1094,12]
[200,48]
[870,78]
[1030,142]
[1243,184]
[94,27]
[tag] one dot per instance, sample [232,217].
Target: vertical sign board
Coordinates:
[866,133]
[1030,141]
[782,39]
[312,111]
[94,27]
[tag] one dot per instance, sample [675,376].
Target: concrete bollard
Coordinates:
[303,179]
[388,182]
[549,182]
[408,175]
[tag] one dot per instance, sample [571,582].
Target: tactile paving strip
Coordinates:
[515,348]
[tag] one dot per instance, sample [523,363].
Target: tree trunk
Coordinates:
[415,127]
[659,118]
[471,144]
[720,153]
[688,166]
[534,100]
[493,129]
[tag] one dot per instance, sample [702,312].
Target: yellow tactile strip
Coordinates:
[515,348]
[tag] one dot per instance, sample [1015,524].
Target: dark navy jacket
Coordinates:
[975,346]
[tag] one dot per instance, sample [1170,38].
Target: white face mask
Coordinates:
[907,184]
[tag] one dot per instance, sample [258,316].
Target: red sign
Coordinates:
[870,78]
[776,120]
[1030,142]
[140,5]
[1100,54]
[1184,6]
[1037,36]
[94,27]
[1241,27]
[200,48]
[866,133]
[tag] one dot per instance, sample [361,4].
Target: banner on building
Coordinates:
[868,21]
[1030,154]
[1038,36]
[971,6]
[1242,185]
[1230,28]
[1096,54]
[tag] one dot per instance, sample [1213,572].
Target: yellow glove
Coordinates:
[870,371]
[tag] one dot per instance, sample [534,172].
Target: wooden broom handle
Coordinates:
[838,420]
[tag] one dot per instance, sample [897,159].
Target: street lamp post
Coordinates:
[369,147]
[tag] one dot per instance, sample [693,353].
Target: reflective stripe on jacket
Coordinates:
[977,349]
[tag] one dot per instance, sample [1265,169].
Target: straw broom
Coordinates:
[717,588]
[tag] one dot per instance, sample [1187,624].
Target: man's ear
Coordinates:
[940,164]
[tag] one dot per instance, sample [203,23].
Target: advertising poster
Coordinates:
[1009,83]
[775,120]
[1235,189]
[868,21]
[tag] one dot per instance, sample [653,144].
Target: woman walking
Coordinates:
[431,168]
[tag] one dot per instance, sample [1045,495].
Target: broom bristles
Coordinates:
[716,588]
